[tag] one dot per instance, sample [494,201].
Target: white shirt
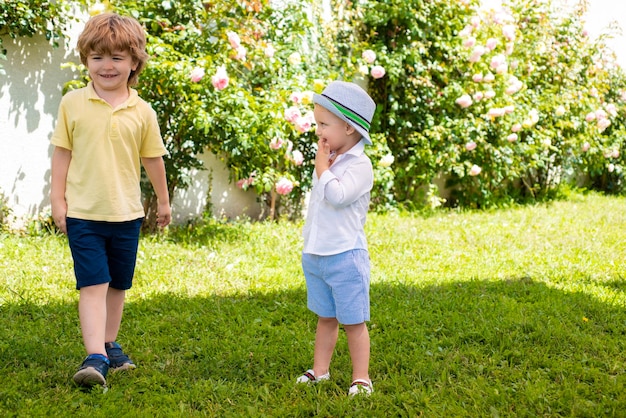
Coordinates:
[338,205]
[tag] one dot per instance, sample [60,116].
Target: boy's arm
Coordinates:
[61,158]
[155,168]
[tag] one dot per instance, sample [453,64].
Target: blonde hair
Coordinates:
[110,32]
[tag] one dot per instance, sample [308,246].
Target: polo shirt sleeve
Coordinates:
[62,135]
[152,143]
[357,180]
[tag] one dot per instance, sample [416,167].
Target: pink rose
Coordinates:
[475,21]
[509,32]
[490,94]
[303,124]
[586,147]
[296,97]
[489,78]
[244,183]
[514,85]
[502,17]
[491,44]
[475,170]
[509,109]
[469,42]
[270,51]
[233,38]
[464,101]
[611,109]
[477,78]
[495,112]
[292,114]
[601,114]
[220,79]
[615,153]
[467,31]
[512,138]
[276,143]
[369,56]
[603,124]
[478,96]
[470,146]
[509,50]
[591,116]
[377,71]
[284,186]
[516,128]
[497,61]
[241,53]
[197,74]
[477,52]
[298,158]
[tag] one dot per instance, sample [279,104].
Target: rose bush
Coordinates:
[498,101]
[506,104]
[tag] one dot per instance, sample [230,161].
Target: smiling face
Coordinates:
[110,71]
[339,134]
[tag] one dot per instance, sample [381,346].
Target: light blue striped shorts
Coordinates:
[338,285]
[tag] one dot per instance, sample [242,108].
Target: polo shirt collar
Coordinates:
[133,96]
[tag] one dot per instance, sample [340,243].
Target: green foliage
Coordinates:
[523,142]
[191,43]
[5,212]
[474,314]
[28,18]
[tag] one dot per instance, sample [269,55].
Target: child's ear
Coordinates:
[349,129]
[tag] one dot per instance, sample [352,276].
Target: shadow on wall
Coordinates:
[30,93]
[34,79]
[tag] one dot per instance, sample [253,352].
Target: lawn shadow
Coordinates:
[506,345]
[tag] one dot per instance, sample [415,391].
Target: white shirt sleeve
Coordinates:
[355,182]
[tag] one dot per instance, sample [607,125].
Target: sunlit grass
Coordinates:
[516,312]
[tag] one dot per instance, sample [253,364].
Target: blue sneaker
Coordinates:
[93,371]
[119,360]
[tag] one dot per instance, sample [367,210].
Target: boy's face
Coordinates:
[334,131]
[110,71]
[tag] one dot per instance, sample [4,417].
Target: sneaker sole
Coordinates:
[89,377]
[125,366]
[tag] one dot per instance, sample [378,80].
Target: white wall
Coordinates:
[29,97]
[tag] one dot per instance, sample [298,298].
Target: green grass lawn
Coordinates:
[504,313]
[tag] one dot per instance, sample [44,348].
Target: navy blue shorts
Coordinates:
[104,252]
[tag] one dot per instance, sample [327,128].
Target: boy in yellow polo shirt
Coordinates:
[104,133]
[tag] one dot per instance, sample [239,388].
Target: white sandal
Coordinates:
[309,377]
[361,387]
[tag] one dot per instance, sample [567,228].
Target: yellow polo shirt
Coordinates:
[103,181]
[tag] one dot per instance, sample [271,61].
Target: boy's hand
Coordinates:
[322,157]
[164,215]
[59,213]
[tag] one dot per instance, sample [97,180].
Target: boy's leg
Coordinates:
[115,308]
[92,312]
[359,346]
[325,340]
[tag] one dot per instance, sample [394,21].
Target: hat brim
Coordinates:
[328,105]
